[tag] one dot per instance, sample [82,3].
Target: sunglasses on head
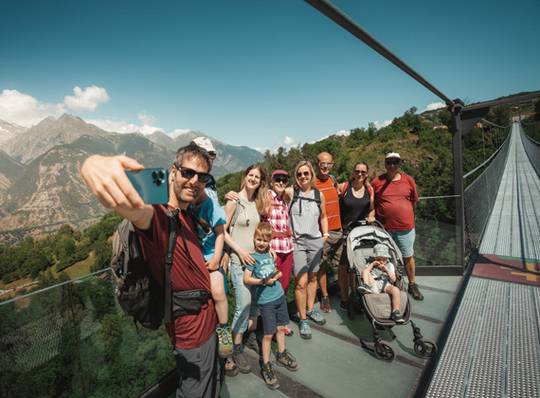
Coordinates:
[392,161]
[283,179]
[188,174]
[326,165]
[305,174]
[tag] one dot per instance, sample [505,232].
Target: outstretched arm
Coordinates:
[106,178]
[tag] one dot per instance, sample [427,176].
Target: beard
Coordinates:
[185,193]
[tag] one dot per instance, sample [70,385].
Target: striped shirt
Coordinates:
[278,217]
[329,190]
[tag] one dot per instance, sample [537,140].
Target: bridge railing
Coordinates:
[532,148]
[72,339]
[480,195]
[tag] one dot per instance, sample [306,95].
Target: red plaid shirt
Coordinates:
[278,217]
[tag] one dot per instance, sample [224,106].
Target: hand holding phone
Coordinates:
[151,184]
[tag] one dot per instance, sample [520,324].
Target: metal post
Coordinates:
[457,131]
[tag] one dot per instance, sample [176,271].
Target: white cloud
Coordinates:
[146,119]
[342,132]
[177,132]
[433,106]
[384,123]
[25,110]
[289,141]
[122,127]
[86,99]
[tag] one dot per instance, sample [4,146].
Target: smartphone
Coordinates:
[152,184]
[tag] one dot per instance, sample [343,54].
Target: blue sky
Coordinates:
[257,73]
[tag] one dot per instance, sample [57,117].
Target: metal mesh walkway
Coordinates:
[493,348]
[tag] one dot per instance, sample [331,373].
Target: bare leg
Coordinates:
[218,295]
[410,268]
[300,294]
[311,290]
[394,296]
[266,345]
[323,283]
[280,338]
[367,277]
[344,282]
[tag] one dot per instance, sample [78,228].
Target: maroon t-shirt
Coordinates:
[394,202]
[188,273]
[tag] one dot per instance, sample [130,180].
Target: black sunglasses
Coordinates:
[305,174]
[188,174]
[283,179]
[392,161]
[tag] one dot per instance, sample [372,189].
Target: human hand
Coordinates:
[370,219]
[231,195]
[225,261]
[212,264]
[106,178]
[246,258]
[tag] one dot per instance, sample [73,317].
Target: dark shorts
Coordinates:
[274,314]
[333,249]
[199,373]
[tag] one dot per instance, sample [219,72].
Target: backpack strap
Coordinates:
[173,225]
[343,193]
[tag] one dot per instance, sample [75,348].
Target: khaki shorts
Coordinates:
[333,249]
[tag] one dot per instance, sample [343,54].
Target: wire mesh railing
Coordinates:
[480,196]
[72,339]
[532,148]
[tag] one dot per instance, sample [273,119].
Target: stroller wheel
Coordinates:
[425,348]
[384,352]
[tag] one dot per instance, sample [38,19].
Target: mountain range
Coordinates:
[40,185]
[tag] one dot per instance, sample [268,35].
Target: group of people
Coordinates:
[267,233]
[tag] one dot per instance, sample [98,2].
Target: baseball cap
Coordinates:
[381,250]
[206,144]
[393,155]
[279,172]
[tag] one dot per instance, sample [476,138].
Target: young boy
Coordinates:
[270,298]
[211,222]
[379,277]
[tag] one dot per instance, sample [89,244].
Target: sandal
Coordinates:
[325,304]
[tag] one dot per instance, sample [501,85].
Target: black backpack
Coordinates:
[137,292]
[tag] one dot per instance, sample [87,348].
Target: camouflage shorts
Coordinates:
[333,249]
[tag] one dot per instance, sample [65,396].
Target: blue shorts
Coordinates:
[405,241]
[274,314]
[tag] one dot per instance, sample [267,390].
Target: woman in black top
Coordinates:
[356,202]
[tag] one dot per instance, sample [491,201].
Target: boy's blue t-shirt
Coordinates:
[209,214]
[264,268]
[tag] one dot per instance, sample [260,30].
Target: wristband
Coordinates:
[326,234]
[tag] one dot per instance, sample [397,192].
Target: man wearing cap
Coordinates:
[206,144]
[332,248]
[395,198]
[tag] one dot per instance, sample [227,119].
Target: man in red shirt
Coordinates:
[395,198]
[332,248]
[193,335]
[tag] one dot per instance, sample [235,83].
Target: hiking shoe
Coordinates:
[396,317]
[286,360]
[225,342]
[231,369]
[305,329]
[415,292]
[240,359]
[325,304]
[316,317]
[269,377]
[250,341]
[344,305]
[364,288]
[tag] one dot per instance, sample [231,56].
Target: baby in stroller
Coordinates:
[379,276]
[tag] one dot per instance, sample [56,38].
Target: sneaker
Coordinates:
[396,317]
[231,369]
[286,360]
[269,376]
[325,304]
[225,342]
[415,292]
[364,288]
[240,359]
[316,317]
[250,341]
[305,329]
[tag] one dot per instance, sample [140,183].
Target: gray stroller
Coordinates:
[377,307]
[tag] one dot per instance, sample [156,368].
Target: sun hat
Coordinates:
[206,144]
[381,250]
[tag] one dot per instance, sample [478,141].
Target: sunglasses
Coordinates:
[305,174]
[188,174]
[326,165]
[392,161]
[361,172]
[282,179]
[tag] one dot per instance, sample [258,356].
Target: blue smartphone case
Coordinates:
[152,184]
